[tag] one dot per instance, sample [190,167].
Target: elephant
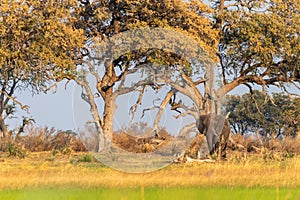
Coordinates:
[216,128]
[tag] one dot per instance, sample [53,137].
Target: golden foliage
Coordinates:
[38,39]
[264,33]
[106,18]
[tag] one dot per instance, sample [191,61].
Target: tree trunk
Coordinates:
[108,117]
[161,110]
[209,106]
[3,128]
[107,121]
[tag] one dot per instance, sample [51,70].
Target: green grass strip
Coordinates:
[187,193]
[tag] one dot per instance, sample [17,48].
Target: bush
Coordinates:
[85,158]
[16,151]
[45,139]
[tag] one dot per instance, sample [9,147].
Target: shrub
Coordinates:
[15,150]
[49,139]
[85,158]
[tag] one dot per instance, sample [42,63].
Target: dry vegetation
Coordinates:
[253,144]
[64,142]
[39,170]
[62,164]
[43,139]
[141,144]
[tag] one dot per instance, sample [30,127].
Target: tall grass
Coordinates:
[43,170]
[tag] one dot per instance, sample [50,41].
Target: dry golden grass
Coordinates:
[40,170]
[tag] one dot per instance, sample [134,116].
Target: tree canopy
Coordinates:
[38,46]
[259,43]
[106,18]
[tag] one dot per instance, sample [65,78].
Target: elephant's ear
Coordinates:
[202,124]
[207,120]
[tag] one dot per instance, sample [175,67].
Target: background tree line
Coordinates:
[258,114]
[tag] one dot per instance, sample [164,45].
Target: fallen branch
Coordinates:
[190,160]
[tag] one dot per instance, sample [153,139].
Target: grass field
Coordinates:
[213,193]
[44,176]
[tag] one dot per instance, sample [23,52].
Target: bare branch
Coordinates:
[188,111]
[133,108]
[148,109]
[186,129]
[290,94]
[14,99]
[295,85]
[10,93]
[253,79]
[89,98]
[185,114]
[66,84]
[188,91]
[125,90]
[161,109]
[162,106]
[249,87]
[269,98]
[223,68]
[200,81]
[93,72]
[54,85]
[194,88]
[252,99]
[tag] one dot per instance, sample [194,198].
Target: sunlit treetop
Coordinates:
[104,19]
[38,42]
[261,38]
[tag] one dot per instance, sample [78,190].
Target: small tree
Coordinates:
[38,46]
[291,118]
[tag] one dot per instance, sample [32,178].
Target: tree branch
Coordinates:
[10,93]
[90,99]
[162,106]
[186,129]
[161,109]
[14,99]
[252,79]
[133,108]
[188,111]
[125,90]
[187,91]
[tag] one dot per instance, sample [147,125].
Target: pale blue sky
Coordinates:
[66,110]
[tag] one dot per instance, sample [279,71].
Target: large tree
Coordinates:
[104,20]
[259,43]
[38,46]
[250,39]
